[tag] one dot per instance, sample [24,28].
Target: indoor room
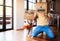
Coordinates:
[29,20]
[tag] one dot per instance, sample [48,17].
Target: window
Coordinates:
[29,4]
[1,2]
[8,11]
[8,2]
[6,15]
[1,11]
[25,4]
[8,7]
[1,8]
[32,4]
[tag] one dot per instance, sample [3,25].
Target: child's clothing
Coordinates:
[45,29]
[43,26]
[42,20]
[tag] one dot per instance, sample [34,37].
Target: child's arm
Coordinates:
[50,17]
[35,18]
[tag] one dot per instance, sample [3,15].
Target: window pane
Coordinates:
[34,6]
[34,1]
[1,17]
[25,4]
[31,0]
[30,5]
[8,12]
[8,22]
[1,2]
[1,11]
[8,2]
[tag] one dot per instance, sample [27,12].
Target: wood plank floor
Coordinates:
[14,35]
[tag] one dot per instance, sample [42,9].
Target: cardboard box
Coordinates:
[41,7]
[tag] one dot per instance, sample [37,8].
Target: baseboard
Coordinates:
[19,29]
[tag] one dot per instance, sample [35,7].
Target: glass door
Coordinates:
[6,15]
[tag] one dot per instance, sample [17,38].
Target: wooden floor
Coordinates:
[14,35]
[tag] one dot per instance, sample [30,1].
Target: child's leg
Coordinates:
[48,31]
[37,31]
[25,34]
[30,31]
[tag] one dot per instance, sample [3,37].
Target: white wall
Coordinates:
[14,14]
[19,13]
